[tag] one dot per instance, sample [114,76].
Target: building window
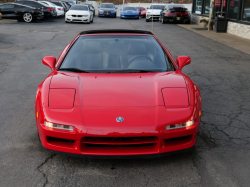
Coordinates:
[206,7]
[197,6]
[232,11]
[246,10]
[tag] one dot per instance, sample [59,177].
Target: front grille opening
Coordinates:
[182,138]
[117,146]
[120,138]
[53,139]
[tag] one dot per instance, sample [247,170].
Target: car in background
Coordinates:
[66,7]
[92,8]
[107,10]
[79,13]
[20,12]
[59,9]
[67,3]
[47,11]
[141,9]
[117,94]
[175,13]
[153,12]
[129,12]
[143,13]
[58,3]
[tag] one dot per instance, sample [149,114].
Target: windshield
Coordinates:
[84,8]
[119,53]
[129,8]
[157,7]
[107,6]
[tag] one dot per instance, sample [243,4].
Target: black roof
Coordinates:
[116,31]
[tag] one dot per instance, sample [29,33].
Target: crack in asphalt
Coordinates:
[42,164]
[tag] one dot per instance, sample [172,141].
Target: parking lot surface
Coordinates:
[222,153]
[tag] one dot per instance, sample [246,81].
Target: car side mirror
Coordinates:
[115,7]
[49,61]
[183,61]
[163,9]
[98,6]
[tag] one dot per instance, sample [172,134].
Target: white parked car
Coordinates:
[59,9]
[79,13]
[153,12]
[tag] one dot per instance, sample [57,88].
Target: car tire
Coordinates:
[27,17]
[147,20]
[92,19]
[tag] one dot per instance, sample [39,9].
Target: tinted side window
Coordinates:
[7,6]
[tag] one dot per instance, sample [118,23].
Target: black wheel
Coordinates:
[27,17]
[147,20]
[92,19]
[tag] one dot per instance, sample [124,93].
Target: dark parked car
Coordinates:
[49,12]
[175,13]
[20,12]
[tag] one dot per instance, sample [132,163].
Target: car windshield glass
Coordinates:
[130,8]
[84,8]
[117,53]
[157,7]
[107,6]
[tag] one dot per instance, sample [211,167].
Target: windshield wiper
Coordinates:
[74,70]
[136,71]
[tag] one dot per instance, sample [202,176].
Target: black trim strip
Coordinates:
[116,31]
[121,157]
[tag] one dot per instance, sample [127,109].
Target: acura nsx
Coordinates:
[117,93]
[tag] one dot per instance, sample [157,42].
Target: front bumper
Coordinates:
[109,140]
[178,19]
[153,17]
[107,14]
[129,16]
[77,19]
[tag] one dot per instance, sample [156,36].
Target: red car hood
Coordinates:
[118,90]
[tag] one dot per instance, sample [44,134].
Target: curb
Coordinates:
[8,21]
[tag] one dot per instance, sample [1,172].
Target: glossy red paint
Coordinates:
[91,102]
[143,13]
[49,61]
[183,61]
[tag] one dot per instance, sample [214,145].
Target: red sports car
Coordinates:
[142,12]
[117,93]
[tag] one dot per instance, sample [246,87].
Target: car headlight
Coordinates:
[180,125]
[100,10]
[57,126]
[84,15]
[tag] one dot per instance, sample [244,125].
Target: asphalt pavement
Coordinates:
[222,153]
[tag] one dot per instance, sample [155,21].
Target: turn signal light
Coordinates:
[180,125]
[57,126]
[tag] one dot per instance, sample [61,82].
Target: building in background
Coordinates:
[237,13]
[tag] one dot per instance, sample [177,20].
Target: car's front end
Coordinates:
[106,12]
[153,12]
[77,17]
[103,100]
[130,12]
[143,13]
